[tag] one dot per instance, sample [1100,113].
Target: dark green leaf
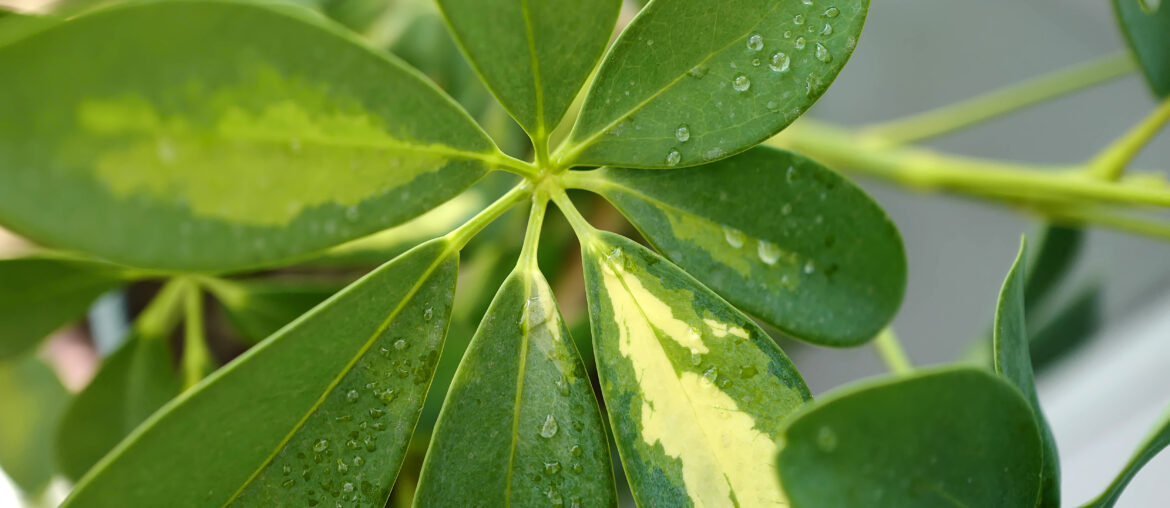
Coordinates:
[695,390]
[1066,329]
[1158,440]
[520,426]
[277,136]
[33,399]
[1148,31]
[1012,361]
[1056,255]
[42,293]
[775,233]
[258,308]
[958,437]
[533,54]
[130,385]
[691,81]
[321,411]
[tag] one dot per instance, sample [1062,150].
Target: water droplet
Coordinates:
[806,2]
[741,83]
[809,267]
[321,445]
[371,444]
[575,450]
[786,209]
[827,30]
[710,375]
[747,371]
[614,254]
[850,43]
[755,62]
[352,396]
[780,62]
[387,396]
[347,486]
[713,153]
[376,413]
[788,34]
[577,468]
[799,43]
[798,19]
[358,461]
[552,467]
[696,357]
[576,501]
[755,42]
[823,53]
[400,344]
[352,214]
[563,387]
[554,497]
[341,467]
[769,252]
[790,175]
[832,12]
[733,236]
[772,106]
[682,133]
[549,428]
[673,158]
[698,71]
[812,84]
[826,439]
[288,483]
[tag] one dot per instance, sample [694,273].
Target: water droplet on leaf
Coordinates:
[780,62]
[755,42]
[733,236]
[673,158]
[823,53]
[549,428]
[741,83]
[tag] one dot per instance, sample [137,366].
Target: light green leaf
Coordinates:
[1158,440]
[39,294]
[1013,362]
[258,308]
[695,390]
[520,426]
[691,81]
[777,234]
[278,136]
[33,399]
[958,437]
[130,385]
[533,54]
[321,411]
[1146,25]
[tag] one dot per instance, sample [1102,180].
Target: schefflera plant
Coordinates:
[218,136]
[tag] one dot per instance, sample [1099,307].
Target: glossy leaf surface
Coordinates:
[320,412]
[33,399]
[278,136]
[1146,24]
[258,308]
[533,54]
[691,81]
[131,384]
[1013,362]
[520,426]
[695,390]
[40,294]
[775,233]
[1158,440]
[946,438]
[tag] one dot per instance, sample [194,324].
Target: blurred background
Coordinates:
[913,55]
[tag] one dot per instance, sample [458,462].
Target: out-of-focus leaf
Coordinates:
[131,384]
[32,399]
[258,308]
[321,411]
[280,136]
[41,293]
[777,234]
[18,25]
[695,390]
[1056,254]
[1146,24]
[1067,328]
[1012,361]
[1158,440]
[956,437]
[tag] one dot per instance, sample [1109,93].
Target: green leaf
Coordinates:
[130,385]
[39,294]
[1146,25]
[777,234]
[956,437]
[1158,440]
[520,426]
[691,81]
[1056,255]
[533,54]
[321,411]
[1067,328]
[695,390]
[33,400]
[17,25]
[278,136]
[258,308]
[1013,362]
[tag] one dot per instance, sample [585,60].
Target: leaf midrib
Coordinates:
[521,370]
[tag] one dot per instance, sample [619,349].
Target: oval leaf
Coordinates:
[216,135]
[520,426]
[40,294]
[533,54]
[1146,25]
[695,389]
[321,411]
[1013,362]
[947,438]
[777,234]
[690,81]
[33,399]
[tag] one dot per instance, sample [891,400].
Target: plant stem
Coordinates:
[999,102]
[162,314]
[517,166]
[532,234]
[1112,161]
[196,357]
[890,349]
[580,226]
[463,234]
